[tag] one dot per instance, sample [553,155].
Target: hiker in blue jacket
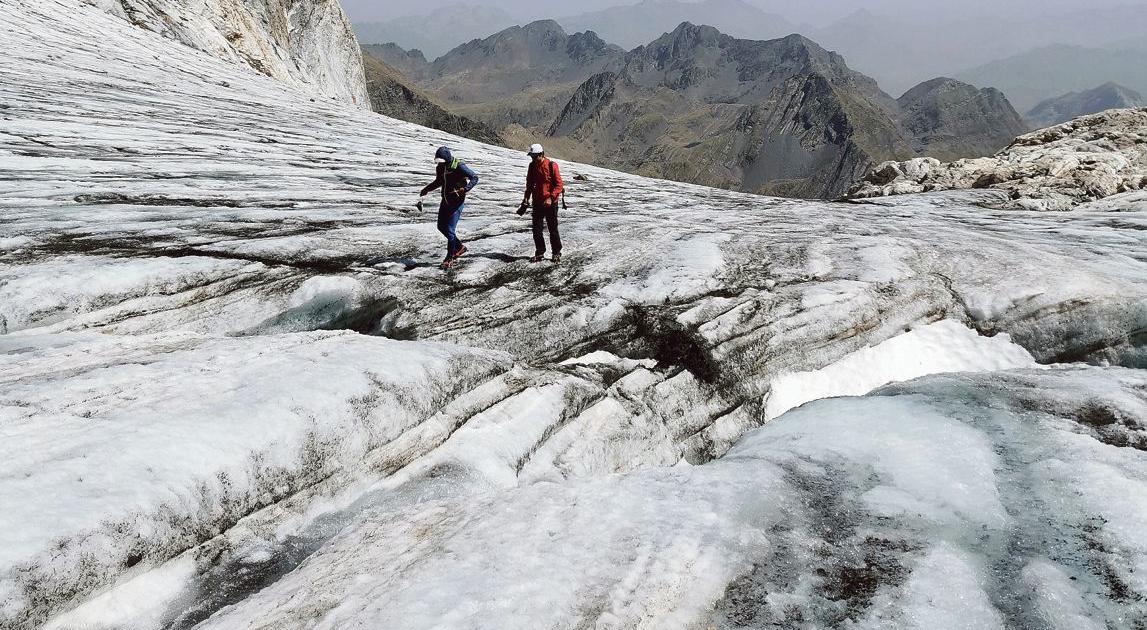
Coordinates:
[455,179]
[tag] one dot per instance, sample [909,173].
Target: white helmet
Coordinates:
[536,149]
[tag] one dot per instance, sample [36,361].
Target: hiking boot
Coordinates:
[538,258]
[461,250]
[447,264]
[557,258]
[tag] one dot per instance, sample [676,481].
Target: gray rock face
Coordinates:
[1090,158]
[780,117]
[519,77]
[954,120]
[306,43]
[1062,109]
[391,95]
[518,58]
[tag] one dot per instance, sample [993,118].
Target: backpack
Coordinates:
[553,176]
[447,169]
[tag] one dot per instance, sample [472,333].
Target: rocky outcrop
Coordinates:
[391,95]
[1089,158]
[590,97]
[1062,109]
[305,43]
[953,120]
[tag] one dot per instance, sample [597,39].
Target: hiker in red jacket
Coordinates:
[544,185]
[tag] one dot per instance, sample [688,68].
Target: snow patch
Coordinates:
[944,346]
[137,602]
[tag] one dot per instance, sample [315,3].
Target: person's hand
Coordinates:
[549,202]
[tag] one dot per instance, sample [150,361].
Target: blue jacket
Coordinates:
[453,177]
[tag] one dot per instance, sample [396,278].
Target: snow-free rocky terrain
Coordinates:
[236,391]
[1089,159]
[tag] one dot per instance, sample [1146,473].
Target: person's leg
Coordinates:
[444,227]
[539,241]
[453,242]
[555,238]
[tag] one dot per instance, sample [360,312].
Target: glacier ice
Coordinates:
[234,383]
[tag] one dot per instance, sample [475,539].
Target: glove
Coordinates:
[522,208]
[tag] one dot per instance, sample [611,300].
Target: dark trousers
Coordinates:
[447,224]
[548,214]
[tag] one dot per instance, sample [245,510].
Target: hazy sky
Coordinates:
[816,12]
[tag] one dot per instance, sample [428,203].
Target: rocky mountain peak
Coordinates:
[689,35]
[586,45]
[541,28]
[543,44]
[952,119]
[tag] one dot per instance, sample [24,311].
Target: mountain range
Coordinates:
[391,94]
[436,33]
[1075,104]
[1051,71]
[780,116]
[902,48]
[898,44]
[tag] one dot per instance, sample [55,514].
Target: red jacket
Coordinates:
[544,181]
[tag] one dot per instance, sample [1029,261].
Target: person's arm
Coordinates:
[529,182]
[559,185]
[471,176]
[434,185]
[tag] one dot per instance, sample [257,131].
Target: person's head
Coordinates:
[537,153]
[444,155]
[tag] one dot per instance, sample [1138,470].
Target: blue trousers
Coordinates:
[448,217]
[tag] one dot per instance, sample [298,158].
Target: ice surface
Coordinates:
[796,526]
[124,449]
[228,346]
